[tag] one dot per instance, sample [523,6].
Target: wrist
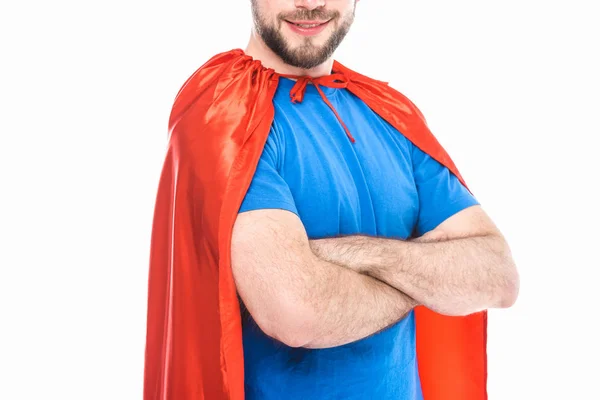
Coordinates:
[363,254]
[386,257]
[343,251]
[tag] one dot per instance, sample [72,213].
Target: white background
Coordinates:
[510,88]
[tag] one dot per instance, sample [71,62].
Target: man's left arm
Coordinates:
[460,262]
[462,266]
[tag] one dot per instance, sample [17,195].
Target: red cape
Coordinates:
[218,127]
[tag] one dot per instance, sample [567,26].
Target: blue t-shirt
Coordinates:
[382,185]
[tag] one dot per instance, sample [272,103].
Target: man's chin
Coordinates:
[296,42]
[304,49]
[306,59]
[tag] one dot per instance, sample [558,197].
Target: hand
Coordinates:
[318,247]
[432,236]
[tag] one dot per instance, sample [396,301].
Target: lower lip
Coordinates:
[307,31]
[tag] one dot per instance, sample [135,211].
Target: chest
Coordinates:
[344,188]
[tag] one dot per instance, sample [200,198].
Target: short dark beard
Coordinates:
[307,56]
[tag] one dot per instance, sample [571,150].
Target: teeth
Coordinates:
[307,26]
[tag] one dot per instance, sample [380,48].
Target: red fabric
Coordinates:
[218,127]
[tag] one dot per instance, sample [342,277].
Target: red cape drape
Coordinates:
[218,127]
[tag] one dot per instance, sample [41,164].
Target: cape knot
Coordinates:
[336,80]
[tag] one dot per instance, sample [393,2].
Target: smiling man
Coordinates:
[353,216]
[302,37]
[332,318]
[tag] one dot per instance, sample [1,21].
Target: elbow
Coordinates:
[511,291]
[291,327]
[505,282]
[510,288]
[501,292]
[291,336]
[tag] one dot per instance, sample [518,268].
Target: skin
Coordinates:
[329,292]
[462,266]
[300,299]
[278,47]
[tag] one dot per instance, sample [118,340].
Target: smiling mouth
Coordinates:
[307,25]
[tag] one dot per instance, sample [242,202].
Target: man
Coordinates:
[332,318]
[352,217]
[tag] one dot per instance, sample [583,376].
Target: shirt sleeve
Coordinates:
[441,195]
[268,189]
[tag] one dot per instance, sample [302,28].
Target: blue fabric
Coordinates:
[382,185]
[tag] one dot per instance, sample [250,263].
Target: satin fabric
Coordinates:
[218,127]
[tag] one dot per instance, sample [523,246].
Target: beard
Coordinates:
[307,55]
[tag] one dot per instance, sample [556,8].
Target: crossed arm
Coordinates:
[329,292]
[298,298]
[461,267]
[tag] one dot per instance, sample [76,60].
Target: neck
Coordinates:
[258,50]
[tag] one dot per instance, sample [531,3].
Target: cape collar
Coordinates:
[337,79]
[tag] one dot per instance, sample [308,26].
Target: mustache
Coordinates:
[310,15]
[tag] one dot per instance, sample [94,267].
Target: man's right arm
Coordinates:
[299,299]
